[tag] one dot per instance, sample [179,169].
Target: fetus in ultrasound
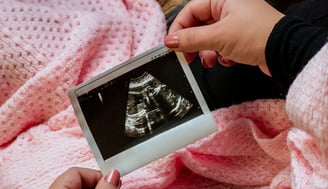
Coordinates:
[150,102]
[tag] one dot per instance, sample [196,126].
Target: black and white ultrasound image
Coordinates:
[149,103]
[139,105]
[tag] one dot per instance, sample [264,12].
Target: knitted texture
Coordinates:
[47,47]
[248,151]
[307,107]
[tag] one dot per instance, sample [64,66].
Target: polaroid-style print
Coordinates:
[141,110]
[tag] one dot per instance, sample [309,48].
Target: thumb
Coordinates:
[194,39]
[110,181]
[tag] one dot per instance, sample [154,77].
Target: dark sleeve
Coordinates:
[291,44]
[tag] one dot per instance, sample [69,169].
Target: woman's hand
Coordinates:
[78,178]
[235,30]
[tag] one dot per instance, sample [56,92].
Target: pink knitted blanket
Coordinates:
[47,47]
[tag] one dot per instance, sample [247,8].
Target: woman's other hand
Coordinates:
[78,178]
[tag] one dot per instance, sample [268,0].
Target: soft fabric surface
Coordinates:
[47,47]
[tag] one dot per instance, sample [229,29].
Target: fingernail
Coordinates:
[203,62]
[172,41]
[226,62]
[113,177]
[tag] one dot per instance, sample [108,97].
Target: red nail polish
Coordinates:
[172,41]
[226,62]
[113,177]
[203,62]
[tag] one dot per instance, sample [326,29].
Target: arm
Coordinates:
[291,44]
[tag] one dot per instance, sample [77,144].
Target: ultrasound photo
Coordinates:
[139,104]
[141,110]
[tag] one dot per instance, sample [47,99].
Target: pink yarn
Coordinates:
[240,154]
[307,107]
[47,47]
